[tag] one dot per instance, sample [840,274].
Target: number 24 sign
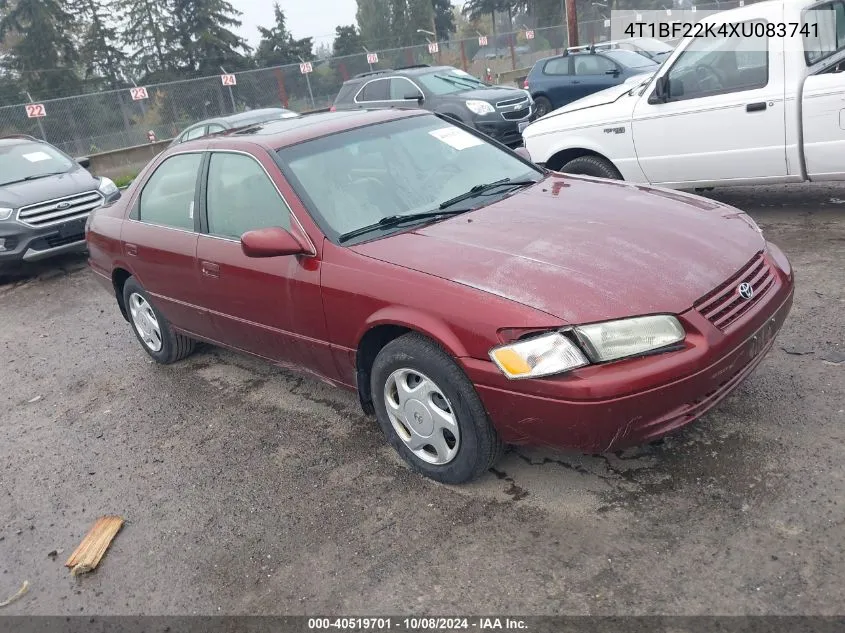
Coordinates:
[35,111]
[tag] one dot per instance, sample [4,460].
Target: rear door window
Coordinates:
[377,90]
[168,197]
[824,31]
[558,66]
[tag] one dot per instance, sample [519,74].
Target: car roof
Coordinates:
[240,116]
[274,135]
[412,71]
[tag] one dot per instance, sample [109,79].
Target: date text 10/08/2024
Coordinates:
[418,624]
[674,30]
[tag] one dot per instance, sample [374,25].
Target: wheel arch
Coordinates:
[557,160]
[387,325]
[118,279]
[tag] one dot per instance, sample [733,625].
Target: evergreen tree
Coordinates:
[278,47]
[144,34]
[373,18]
[444,19]
[206,42]
[347,41]
[43,53]
[101,56]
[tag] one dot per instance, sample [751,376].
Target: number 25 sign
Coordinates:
[35,111]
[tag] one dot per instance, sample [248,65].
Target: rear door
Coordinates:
[555,81]
[823,98]
[272,306]
[160,240]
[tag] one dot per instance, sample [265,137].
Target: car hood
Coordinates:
[584,250]
[21,194]
[491,95]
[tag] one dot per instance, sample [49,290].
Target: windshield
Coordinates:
[631,59]
[450,81]
[652,46]
[22,160]
[356,178]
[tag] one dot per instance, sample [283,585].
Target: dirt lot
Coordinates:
[248,489]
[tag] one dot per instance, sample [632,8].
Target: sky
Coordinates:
[305,18]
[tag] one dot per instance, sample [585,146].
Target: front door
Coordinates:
[593,72]
[271,306]
[724,115]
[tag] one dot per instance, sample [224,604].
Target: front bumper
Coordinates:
[607,408]
[504,131]
[22,243]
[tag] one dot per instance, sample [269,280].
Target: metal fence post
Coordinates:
[40,124]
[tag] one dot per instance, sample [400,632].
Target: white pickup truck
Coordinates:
[721,110]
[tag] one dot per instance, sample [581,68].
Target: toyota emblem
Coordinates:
[746,291]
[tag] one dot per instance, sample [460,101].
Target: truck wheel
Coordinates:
[542,106]
[595,166]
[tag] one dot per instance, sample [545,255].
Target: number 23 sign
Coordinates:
[35,111]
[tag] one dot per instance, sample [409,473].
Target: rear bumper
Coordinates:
[606,422]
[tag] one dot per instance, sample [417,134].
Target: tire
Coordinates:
[172,346]
[470,451]
[542,106]
[592,166]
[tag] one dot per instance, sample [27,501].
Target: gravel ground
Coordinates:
[248,489]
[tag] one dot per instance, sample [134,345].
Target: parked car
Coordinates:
[654,49]
[721,110]
[469,297]
[555,81]
[496,111]
[232,121]
[45,198]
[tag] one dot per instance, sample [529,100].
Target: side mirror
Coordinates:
[84,162]
[418,97]
[661,91]
[273,241]
[524,153]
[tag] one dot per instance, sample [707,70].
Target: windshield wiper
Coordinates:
[34,177]
[479,190]
[397,220]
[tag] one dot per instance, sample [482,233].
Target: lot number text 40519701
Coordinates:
[418,624]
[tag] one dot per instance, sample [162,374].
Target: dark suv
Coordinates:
[45,199]
[495,111]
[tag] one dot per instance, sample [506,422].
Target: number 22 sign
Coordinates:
[35,111]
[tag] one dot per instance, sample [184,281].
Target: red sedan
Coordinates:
[471,298]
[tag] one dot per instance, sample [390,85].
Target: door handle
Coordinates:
[210,269]
[575,81]
[131,250]
[755,107]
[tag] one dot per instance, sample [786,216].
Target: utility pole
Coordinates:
[571,22]
[231,96]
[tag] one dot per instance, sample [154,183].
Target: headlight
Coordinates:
[480,107]
[539,356]
[107,186]
[5,214]
[629,337]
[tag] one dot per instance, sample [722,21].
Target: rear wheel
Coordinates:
[430,413]
[151,328]
[542,106]
[595,166]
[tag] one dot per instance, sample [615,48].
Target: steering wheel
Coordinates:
[708,78]
[387,191]
[443,171]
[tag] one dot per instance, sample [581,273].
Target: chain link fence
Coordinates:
[111,120]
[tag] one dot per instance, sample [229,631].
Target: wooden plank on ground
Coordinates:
[87,556]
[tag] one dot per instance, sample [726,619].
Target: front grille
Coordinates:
[516,116]
[60,210]
[55,241]
[724,305]
[511,102]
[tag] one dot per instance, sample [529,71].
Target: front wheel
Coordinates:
[430,413]
[595,166]
[542,106]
